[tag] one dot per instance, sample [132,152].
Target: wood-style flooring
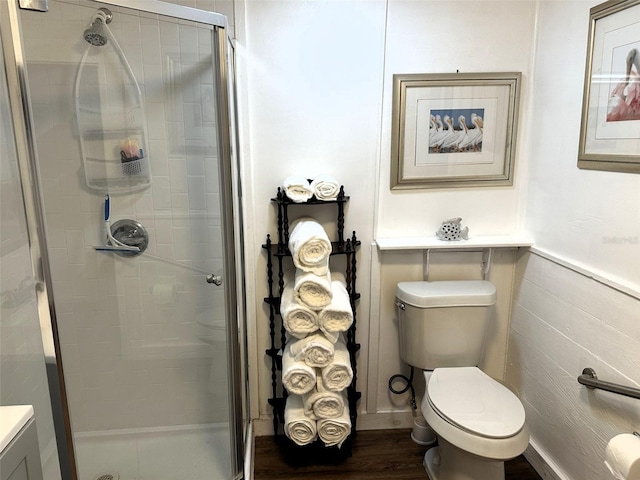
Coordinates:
[376,454]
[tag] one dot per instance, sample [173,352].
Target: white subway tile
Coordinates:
[193,124]
[159,158]
[156,121]
[178,175]
[108,318]
[197,193]
[188,40]
[161,191]
[180,203]
[74,240]
[169,33]
[182,244]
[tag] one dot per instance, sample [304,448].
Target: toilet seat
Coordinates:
[471,400]
[458,430]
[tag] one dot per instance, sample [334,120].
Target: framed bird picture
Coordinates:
[610,126]
[454,130]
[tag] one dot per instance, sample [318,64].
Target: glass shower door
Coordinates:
[23,377]
[144,337]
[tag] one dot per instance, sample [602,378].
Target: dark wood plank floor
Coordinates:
[376,454]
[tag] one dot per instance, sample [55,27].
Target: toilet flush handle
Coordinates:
[401,305]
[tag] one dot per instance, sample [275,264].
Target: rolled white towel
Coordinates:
[297,376]
[338,315]
[310,246]
[325,187]
[322,403]
[338,375]
[313,290]
[297,426]
[298,319]
[315,350]
[334,431]
[297,188]
[333,337]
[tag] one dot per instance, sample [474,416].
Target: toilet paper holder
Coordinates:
[622,456]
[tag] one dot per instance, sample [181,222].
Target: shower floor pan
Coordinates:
[187,453]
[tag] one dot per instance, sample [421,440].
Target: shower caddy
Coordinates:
[110,117]
[316,452]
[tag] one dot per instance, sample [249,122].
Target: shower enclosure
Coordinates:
[142,345]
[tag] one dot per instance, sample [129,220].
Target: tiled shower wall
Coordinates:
[562,322]
[142,338]
[23,378]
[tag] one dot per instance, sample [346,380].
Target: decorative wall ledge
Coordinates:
[434,243]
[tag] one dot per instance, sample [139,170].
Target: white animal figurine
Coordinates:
[451,230]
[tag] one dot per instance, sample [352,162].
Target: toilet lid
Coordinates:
[473,401]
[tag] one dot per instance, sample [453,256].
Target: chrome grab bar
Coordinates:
[590,380]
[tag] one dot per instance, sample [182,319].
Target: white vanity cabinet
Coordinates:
[19,451]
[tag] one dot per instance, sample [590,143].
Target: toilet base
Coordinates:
[448,462]
[431,463]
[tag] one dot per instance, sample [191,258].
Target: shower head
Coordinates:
[95,35]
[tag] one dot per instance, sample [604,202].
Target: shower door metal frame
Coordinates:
[22,118]
[24,132]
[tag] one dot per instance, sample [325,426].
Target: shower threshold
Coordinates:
[192,452]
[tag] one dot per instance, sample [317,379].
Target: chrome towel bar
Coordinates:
[590,380]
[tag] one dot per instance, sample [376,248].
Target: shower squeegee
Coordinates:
[112,244]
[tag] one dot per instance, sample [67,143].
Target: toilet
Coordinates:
[479,423]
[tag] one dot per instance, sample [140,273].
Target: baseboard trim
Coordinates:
[263,426]
[386,420]
[542,463]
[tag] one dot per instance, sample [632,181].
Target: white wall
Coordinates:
[564,321]
[316,97]
[445,37]
[437,37]
[591,218]
[319,100]
[314,74]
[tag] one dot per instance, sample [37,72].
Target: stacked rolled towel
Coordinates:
[325,187]
[338,375]
[334,431]
[299,428]
[333,337]
[314,291]
[338,315]
[297,376]
[310,246]
[298,319]
[297,188]
[322,403]
[315,350]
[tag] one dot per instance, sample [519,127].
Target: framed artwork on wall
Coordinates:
[454,130]
[610,126]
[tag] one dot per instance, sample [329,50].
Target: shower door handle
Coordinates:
[215,279]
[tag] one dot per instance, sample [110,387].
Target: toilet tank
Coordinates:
[443,324]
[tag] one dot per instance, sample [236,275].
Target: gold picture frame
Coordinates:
[610,124]
[454,130]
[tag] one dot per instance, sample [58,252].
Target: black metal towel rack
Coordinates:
[590,380]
